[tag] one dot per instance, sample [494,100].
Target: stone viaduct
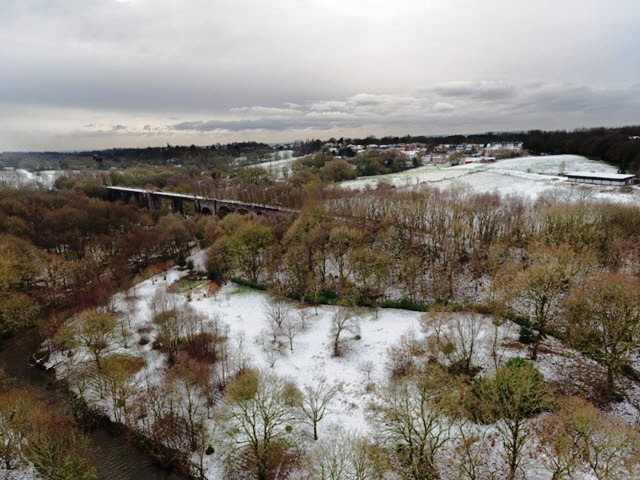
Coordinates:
[202,205]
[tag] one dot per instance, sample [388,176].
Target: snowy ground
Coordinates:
[242,310]
[24,472]
[281,164]
[530,176]
[23,178]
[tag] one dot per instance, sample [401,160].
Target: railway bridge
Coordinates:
[202,205]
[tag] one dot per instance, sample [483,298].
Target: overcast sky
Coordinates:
[78,74]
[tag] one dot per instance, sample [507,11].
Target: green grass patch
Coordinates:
[186,284]
[241,290]
[404,304]
[248,284]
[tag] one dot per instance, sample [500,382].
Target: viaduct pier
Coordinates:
[202,205]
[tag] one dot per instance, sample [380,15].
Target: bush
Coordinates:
[248,283]
[365,302]
[404,304]
[517,391]
[201,347]
[181,261]
[526,335]
[323,300]
[244,387]
[328,293]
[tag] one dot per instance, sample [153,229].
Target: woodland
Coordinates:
[561,270]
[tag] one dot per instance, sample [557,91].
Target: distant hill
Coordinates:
[619,146]
[210,156]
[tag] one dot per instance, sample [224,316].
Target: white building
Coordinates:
[610,179]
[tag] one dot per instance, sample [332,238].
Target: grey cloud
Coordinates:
[190,68]
[266,123]
[438,106]
[487,90]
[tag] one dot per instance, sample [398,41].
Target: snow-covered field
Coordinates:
[23,178]
[362,370]
[280,165]
[529,176]
[23,472]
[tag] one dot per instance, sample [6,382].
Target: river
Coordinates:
[114,457]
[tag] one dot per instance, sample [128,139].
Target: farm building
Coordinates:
[602,178]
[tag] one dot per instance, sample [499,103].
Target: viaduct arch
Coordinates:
[202,205]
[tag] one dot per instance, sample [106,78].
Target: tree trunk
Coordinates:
[513,454]
[611,384]
[535,344]
[261,467]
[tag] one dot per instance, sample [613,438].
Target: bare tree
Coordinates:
[470,459]
[342,455]
[240,357]
[162,301]
[343,321]
[93,330]
[496,351]
[258,409]
[456,338]
[537,291]
[291,327]
[413,427]
[367,368]
[577,441]
[603,317]
[272,349]
[315,402]
[304,317]
[277,310]
[117,378]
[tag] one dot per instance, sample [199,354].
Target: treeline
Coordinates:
[431,246]
[211,156]
[325,168]
[61,252]
[61,249]
[32,435]
[456,249]
[612,145]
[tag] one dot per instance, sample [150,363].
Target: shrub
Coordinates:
[404,304]
[244,387]
[249,283]
[201,347]
[181,261]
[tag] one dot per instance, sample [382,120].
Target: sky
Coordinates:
[85,74]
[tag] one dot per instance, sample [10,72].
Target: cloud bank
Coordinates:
[97,73]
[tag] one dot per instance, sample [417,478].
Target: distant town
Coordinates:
[440,154]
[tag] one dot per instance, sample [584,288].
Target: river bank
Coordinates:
[116,455]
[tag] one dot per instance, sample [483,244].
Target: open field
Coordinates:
[24,178]
[529,176]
